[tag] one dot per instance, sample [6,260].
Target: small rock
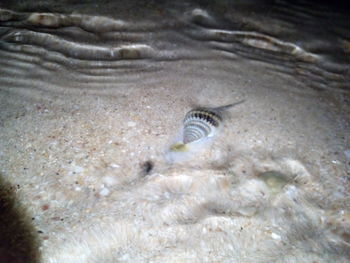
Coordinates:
[131,124]
[104,192]
[45,207]
[275,236]
[114,165]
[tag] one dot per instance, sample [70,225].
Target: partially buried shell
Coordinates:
[201,123]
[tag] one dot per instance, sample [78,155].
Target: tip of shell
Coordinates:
[179,147]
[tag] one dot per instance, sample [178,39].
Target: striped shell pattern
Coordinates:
[199,124]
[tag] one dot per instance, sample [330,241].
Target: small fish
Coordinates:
[201,123]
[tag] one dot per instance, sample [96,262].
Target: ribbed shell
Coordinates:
[199,124]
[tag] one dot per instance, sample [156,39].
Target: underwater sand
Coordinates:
[91,101]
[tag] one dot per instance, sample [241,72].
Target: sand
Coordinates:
[83,147]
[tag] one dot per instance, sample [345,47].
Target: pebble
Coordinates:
[275,236]
[131,124]
[104,192]
[114,165]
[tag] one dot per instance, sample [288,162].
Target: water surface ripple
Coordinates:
[101,49]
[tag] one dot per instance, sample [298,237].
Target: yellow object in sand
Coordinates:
[179,147]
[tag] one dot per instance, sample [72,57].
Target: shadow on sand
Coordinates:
[19,242]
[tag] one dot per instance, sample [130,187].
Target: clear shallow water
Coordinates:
[95,44]
[90,92]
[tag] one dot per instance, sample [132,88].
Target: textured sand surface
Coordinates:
[84,140]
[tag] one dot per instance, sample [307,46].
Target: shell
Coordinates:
[201,123]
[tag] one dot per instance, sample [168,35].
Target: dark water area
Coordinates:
[309,41]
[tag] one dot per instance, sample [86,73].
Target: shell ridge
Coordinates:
[201,123]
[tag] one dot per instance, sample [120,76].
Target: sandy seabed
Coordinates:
[89,168]
[78,161]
